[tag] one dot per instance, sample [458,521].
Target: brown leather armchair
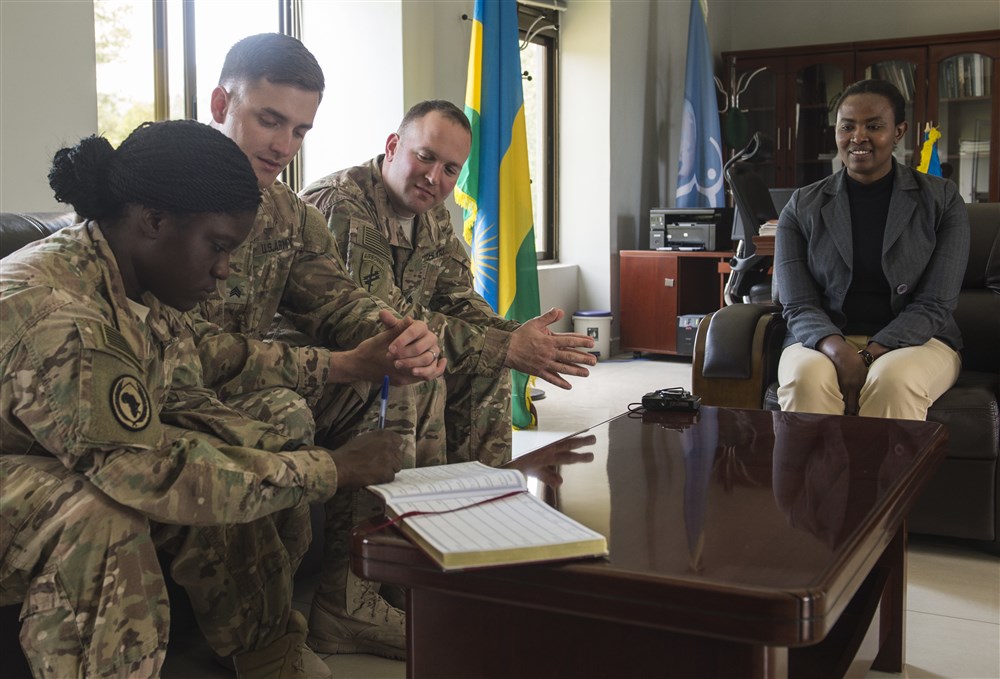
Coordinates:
[735,364]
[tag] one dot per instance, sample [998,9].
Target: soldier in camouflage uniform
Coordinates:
[391,225]
[109,444]
[288,281]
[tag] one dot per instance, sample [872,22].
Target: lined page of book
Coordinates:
[489,517]
[521,521]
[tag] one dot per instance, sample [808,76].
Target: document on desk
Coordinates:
[469,515]
[768,228]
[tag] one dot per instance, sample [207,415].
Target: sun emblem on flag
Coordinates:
[484,252]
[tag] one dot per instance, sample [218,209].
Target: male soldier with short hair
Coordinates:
[391,225]
[287,281]
[269,90]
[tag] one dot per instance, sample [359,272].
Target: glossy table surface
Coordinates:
[748,525]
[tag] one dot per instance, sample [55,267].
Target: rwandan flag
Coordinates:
[494,188]
[699,172]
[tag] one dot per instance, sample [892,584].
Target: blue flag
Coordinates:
[699,172]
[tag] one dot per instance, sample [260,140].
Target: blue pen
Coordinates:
[385,401]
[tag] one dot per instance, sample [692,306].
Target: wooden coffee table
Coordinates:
[742,544]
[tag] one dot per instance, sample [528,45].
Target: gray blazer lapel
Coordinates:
[901,207]
[837,219]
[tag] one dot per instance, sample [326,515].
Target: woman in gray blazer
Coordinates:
[868,266]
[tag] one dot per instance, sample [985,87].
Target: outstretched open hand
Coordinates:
[536,350]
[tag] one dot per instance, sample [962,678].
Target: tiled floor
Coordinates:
[953,594]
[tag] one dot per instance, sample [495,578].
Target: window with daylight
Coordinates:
[160,59]
[124,51]
[539,28]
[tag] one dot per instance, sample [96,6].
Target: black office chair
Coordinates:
[749,280]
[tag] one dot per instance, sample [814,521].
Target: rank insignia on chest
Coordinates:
[130,403]
[235,292]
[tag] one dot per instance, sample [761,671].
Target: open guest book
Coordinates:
[468,515]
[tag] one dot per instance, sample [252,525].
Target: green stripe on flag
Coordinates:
[525,304]
[467,186]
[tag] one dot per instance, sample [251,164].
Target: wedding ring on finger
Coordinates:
[434,354]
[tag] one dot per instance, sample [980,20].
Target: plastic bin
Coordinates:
[596,324]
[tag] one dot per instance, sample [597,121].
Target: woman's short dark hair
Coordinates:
[179,166]
[280,59]
[442,106]
[882,88]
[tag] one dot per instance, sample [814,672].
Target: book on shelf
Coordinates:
[469,515]
[900,74]
[965,76]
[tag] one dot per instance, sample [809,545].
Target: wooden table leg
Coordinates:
[892,652]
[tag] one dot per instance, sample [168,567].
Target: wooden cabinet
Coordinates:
[964,102]
[789,94]
[657,286]
[906,68]
[789,98]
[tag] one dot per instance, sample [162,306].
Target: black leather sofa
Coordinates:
[18,229]
[735,364]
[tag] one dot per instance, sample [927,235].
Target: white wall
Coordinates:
[558,287]
[361,106]
[436,59]
[585,148]
[436,50]
[48,94]
[779,23]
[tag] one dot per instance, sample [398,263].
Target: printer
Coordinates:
[677,228]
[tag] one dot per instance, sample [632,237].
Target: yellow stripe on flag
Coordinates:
[514,209]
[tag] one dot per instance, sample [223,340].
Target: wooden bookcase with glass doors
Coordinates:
[950,81]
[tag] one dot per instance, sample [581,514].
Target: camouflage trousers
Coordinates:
[343,412]
[347,411]
[462,418]
[85,568]
[239,577]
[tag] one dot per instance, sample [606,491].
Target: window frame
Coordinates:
[288,15]
[531,17]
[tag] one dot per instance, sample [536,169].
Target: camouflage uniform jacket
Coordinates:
[429,279]
[84,380]
[288,268]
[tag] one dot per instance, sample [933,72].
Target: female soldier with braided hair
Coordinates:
[110,446]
